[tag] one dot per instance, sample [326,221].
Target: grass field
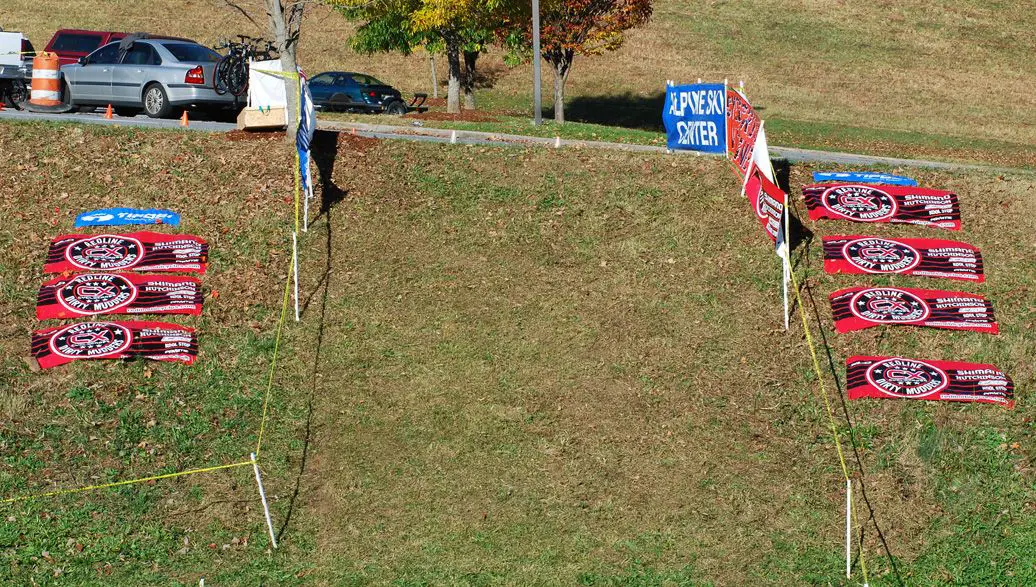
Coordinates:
[514,367]
[888,76]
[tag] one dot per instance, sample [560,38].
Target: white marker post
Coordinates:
[453,137]
[295,269]
[848,527]
[786,258]
[305,208]
[262,496]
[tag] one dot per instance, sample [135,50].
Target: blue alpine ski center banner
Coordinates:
[121,216]
[695,117]
[864,177]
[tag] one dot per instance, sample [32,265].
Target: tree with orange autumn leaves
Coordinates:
[569,28]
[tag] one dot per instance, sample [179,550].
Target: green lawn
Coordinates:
[780,132]
[514,367]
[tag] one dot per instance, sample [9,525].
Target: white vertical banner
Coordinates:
[761,153]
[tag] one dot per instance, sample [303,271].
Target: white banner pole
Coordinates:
[305,207]
[295,269]
[262,496]
[848,527]
[786,259]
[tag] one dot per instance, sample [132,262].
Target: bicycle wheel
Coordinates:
[222,73]
[237,82]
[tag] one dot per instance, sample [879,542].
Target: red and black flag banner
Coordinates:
[767,201]
[89,294]
[883,203]
[160,341]
[907,256]
[743,126]
[896,377]
[856,308]
[137,251]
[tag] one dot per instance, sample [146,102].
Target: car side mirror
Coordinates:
[82,61]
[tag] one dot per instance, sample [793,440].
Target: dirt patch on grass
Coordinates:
[254,135]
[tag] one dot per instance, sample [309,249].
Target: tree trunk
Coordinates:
[453,88]
[470,77]
[562,65]
[285,25]
[435,79]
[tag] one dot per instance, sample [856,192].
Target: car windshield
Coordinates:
[191,52]
[76,43]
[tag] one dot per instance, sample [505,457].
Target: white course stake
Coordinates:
[848,527]
[295,268]
[262,496]
[453,137]
[305,211]
[786,259]
[557,142]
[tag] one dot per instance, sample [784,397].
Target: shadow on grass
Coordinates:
[324,149]
[624,110]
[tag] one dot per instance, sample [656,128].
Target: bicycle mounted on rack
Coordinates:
[231,73]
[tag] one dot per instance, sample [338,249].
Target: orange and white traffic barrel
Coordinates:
[46,80]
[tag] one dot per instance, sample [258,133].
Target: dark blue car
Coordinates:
[343,91]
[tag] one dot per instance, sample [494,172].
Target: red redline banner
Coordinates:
[743,126]
[856,308]
[904,256]
[883,203]
[137,251]
[159,341]
[90,294]
[767,202]
[896,377]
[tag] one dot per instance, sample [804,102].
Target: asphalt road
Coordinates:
[97,117]
[436,135]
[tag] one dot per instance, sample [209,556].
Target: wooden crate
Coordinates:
[253,118]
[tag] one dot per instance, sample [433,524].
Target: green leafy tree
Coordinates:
[460,28]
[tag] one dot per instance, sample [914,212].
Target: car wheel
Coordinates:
[66,94]
[396,108]
[337,103]
[156,102]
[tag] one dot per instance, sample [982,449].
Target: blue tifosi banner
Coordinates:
[695,117]
[120,216]
[863,177]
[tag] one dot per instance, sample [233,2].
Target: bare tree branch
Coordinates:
[243,13]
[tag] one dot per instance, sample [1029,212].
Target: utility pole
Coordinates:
[536,99]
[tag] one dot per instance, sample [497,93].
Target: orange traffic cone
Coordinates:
[183,119]
[108,112]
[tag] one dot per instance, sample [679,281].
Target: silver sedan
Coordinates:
[153,75]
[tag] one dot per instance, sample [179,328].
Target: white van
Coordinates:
[16,55]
